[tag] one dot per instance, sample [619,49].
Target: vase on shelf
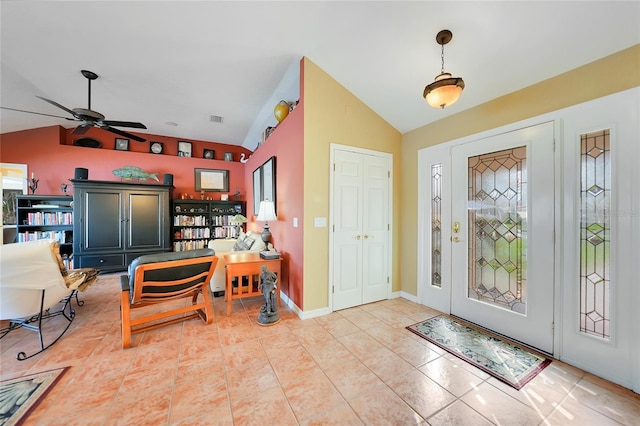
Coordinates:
[281,110]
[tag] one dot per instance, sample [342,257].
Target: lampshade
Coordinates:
[267,211]
[445,89]
[238,219]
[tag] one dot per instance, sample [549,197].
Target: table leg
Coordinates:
[229,292]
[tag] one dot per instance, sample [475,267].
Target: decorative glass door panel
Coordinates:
[497,206]
[502,275]
[595,230]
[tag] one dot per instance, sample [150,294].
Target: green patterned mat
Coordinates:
[504,360]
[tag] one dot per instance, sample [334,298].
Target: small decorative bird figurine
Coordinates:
[242,159]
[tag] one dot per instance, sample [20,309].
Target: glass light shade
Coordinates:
[267,211]
[444,91]
[238,219]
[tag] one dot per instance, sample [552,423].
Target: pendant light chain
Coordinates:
[442,58]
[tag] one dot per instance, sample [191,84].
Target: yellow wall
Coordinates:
[615,73]
[334,115]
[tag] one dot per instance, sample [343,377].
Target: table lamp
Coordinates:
[266,213]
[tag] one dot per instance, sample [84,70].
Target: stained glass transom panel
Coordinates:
[436,225]
[595,233]
[497,207]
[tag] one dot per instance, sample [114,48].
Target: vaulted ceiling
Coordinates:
[181,62]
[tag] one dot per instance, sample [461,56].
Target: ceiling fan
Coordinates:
[90,118]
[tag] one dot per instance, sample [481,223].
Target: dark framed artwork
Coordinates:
[184,149]
[209,154]
[211,180]
[122,144]
[264,184]
[228,156]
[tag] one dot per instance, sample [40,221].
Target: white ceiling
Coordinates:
[178,61]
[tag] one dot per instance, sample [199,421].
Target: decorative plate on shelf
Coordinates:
[88,142]
[156,147]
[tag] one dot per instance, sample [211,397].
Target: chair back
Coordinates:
[158,277]
[25,270]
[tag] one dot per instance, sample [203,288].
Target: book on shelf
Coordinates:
[46,206]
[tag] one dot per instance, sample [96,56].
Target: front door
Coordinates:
[502,234]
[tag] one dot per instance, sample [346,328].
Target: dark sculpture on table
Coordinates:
[268,284]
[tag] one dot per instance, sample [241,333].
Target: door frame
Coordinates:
[561,305]
[333,148]
[428,155]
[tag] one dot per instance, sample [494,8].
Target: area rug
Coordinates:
[20,396]
[504,360]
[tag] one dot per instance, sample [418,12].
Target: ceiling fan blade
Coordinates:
[39,113]
[124,124]
[54,103]
[81,129]
[123,133]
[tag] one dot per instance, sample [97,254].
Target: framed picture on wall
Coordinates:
[209,154]
[211,180]
[122,144]
[264,184]
[184,149]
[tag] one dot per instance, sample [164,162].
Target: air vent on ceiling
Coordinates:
[216,118]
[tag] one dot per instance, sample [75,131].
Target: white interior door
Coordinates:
[502,231]
[360,228]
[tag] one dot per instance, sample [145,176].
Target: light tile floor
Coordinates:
[352,367]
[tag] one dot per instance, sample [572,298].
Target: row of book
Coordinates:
[222,220]
[192,233]
[184,220]
[190,245]
[60,236]
[55,218]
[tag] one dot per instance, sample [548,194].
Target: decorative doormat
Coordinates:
[506,361]
[20,396]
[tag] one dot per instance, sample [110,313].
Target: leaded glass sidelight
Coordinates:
[436,225]
[595,233]
[497,211]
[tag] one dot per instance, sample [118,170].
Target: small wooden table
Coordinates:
[247,264]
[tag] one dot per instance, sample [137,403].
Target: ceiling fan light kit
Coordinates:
[90,118]
[446,89]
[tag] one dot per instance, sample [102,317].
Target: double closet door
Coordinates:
[360,227]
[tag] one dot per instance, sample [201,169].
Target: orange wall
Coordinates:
[50,154]
[286,143]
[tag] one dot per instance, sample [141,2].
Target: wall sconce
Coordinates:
[445,90]
[266,213]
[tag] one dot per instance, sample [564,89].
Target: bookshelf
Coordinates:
[197,222]
[46,217]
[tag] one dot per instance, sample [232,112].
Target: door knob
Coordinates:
[358,237]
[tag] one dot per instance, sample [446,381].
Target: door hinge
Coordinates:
[334,167]
[387,280]
[333,289]
[554,145]
[553,327]
[388,227]
[389,174]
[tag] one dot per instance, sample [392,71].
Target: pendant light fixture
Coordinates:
[445,89]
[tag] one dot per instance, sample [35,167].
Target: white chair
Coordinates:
[33,281]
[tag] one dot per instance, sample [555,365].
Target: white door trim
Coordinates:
[560,187]
[333,148]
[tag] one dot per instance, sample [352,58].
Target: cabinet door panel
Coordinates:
[146,220]
[102,221]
